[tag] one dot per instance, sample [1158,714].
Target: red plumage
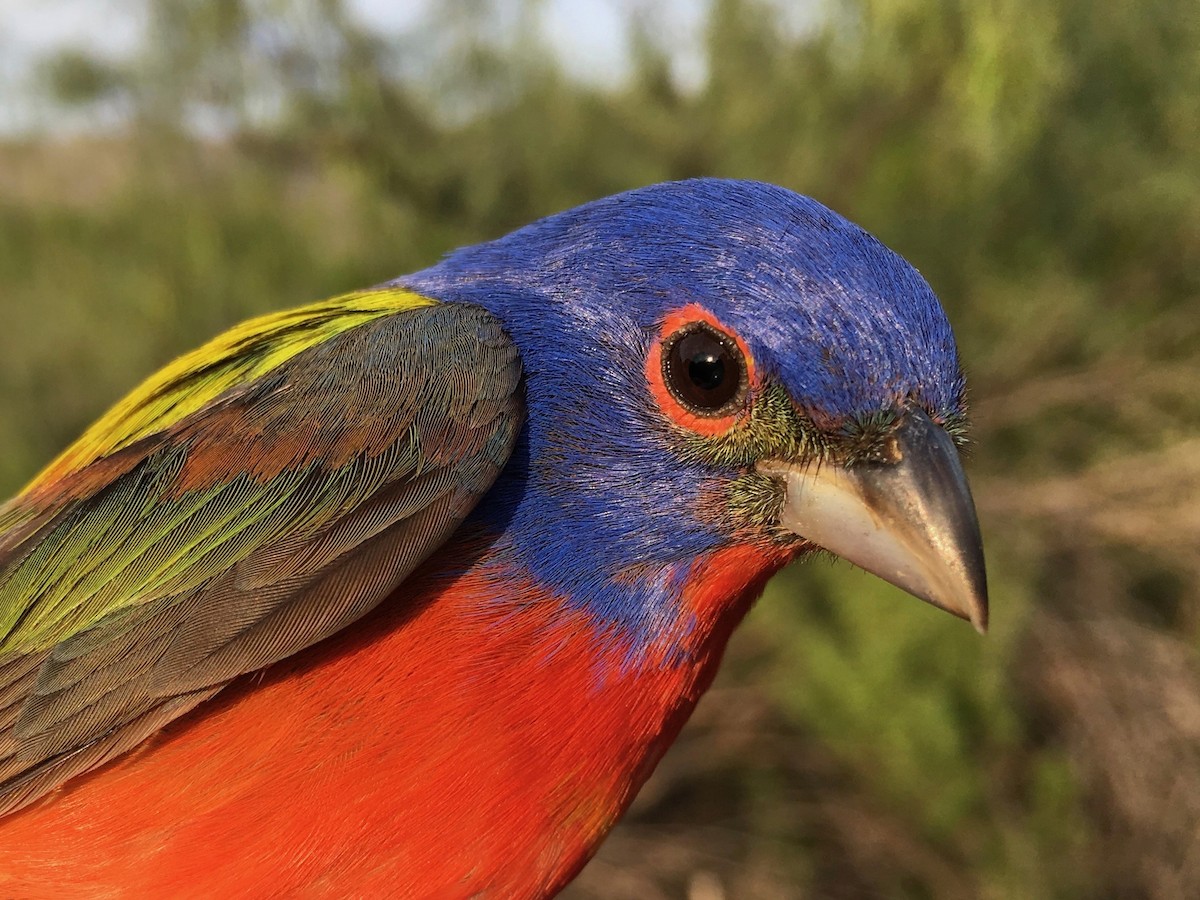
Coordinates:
[474,734]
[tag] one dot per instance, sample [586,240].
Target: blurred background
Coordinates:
[169,168]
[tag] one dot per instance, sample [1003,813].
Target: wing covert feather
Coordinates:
[283,510]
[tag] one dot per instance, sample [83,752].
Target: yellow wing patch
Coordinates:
[238,356]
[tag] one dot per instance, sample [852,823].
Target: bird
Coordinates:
[405,593]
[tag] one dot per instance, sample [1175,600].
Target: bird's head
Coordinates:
[715,362]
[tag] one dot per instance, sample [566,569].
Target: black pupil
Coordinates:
[704,370]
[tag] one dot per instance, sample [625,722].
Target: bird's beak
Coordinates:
[909,520]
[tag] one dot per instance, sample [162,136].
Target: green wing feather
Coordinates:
[251,499]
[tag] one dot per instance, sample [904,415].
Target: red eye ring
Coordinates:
[700,372]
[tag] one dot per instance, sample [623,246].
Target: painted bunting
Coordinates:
[404,594]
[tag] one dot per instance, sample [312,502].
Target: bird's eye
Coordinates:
[705,370]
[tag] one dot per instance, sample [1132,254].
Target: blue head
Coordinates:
[675,337]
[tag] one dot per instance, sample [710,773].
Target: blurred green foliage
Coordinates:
[1040,163]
